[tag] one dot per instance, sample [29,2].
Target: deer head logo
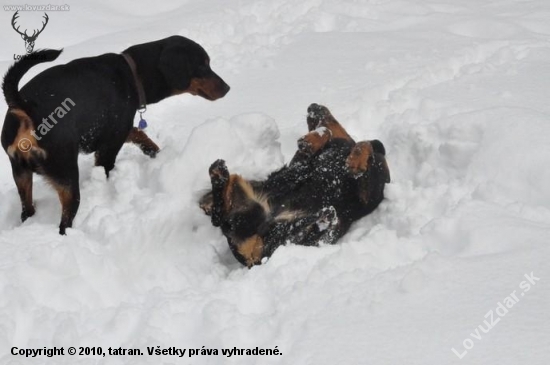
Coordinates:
[29,39]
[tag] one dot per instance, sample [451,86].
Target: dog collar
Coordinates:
[139,86]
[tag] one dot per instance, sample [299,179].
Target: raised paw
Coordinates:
[358,159]
[314,141]
[315,115]
[150,151]
[319,116]
[146,144]
[219,174]
[219,177]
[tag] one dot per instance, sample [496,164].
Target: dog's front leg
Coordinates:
[219,177]
[142,140]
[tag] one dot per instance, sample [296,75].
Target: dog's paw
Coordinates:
[219,174]
[358,160]
[316,114]
[150,151]
[26,213]
[314,141]
[328,218]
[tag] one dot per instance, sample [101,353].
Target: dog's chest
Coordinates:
[330,180]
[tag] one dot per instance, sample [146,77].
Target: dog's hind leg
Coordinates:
[63,176]
[318,116]
[69,196]
[23,181]
[323,127]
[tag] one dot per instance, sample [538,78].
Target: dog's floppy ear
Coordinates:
[174,64]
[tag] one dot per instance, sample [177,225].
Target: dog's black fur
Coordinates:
[330,183]
[103,90]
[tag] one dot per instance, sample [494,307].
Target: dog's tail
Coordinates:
[10,86]
[25,144]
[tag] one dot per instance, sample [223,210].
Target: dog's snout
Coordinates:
[225,88]
[220,87]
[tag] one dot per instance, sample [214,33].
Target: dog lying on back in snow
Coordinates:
[330,182]
[102,94]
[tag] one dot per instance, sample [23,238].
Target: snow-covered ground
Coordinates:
[457,90]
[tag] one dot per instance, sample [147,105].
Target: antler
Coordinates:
[43,26]
[35,33]
[15,16]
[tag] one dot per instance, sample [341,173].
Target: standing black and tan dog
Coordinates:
[331,182]
[102,95]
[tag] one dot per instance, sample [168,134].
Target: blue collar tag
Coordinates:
[142,122]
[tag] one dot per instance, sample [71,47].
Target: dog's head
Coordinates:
[185,66]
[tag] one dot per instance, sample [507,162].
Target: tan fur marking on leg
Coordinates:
[24,145]
[65,198]
[141,139]
[336,129]
[333,125]
[24,186]
[251,249]
[314,141]
[228,193]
